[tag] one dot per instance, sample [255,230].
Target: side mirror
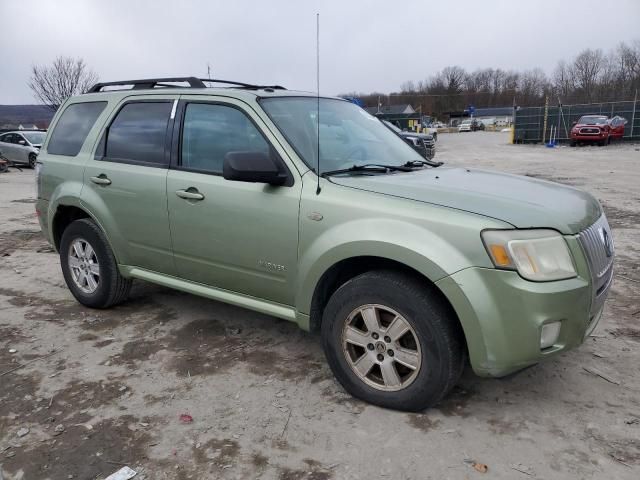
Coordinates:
[22,142]
[575,122]
[254,167]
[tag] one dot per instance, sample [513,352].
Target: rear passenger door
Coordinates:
[125,181]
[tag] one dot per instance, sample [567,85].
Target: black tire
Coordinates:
[572,143]
[112,287]
[32,160]
[443,352]
[435,136]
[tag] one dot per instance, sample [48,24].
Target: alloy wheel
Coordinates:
[381,347]
[84,265]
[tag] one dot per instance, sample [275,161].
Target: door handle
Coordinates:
[101,180]
[190,194]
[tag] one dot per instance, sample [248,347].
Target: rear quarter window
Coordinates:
[72,128]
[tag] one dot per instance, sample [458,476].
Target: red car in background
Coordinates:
[597,128]
[591,128]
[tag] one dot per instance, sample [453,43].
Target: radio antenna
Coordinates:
[318,99]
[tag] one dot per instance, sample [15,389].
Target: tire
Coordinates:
[435,136]
[572,143]
[111,288]
[32,160]
[434,339]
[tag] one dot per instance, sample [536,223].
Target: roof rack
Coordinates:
[150,83]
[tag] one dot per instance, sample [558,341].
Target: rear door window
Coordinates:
[72,128]
[138,133]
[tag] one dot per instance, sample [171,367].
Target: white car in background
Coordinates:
[465,126]
[21,146]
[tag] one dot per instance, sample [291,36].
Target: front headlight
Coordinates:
[537,255]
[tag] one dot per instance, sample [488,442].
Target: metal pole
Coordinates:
[546,116]
[633,115]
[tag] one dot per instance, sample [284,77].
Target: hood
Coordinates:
[523,202]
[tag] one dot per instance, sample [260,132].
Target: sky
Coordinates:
[365,46]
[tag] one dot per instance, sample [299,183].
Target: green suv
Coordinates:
[311,210]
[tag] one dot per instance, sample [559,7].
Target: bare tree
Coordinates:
[563,80]
[587,68]
[65,77]
[533,84]
[591,76]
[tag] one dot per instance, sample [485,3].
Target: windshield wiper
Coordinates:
[420,163]
[369,167]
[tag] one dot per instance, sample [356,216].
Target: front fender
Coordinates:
[424,250]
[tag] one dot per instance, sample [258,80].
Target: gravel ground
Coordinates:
[100,389]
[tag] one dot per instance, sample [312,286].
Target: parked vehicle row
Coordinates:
[471,125]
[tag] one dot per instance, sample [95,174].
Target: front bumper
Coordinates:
[502,314]
[594,137]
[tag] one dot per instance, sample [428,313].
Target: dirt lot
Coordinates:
[113,384]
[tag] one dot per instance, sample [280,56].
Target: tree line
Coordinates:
[592,76]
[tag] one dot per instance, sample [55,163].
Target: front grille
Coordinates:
[597,243]
[589,131]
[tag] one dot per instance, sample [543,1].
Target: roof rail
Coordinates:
[150,83]
[242,85]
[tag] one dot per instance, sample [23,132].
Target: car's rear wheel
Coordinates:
[32,160]
[392,341]
[89,266]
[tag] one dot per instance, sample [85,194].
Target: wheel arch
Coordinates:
[66,213]
[63,216]
[346,269]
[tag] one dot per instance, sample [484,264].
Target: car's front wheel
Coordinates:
[392,341]
[89,266]
[32,160]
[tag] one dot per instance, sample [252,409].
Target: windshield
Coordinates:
[35,138]
[593,119]
[348,135]
[466,122]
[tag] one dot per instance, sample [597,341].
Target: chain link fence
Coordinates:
[529,122]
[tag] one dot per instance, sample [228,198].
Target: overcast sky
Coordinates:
[365,45]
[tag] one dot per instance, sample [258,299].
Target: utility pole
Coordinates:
[208,71]
[633,115]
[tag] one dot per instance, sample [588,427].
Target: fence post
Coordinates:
[633,115]
[546,117]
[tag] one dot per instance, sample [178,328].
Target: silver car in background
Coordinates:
[21,146]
